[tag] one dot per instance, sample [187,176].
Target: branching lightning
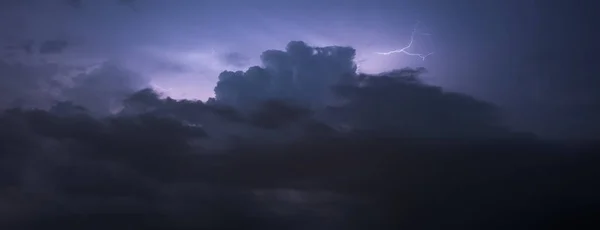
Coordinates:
[404,49]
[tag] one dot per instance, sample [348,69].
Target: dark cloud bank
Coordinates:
[300,143]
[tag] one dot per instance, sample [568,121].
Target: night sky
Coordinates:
[273,114]
[518,54]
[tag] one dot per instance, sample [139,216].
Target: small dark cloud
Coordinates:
[53,46]
[74,3]
[67,108]
[79,3]
[28,47]
[236,59]
[130,3]
[24,46]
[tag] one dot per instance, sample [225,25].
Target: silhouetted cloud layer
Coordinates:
[299,142]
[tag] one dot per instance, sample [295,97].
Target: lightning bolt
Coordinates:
[404,49]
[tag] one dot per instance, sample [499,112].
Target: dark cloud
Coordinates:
[274,114]
[395,103]
[28,84]
[80,3]
[28,47]
[142,171]
[270,122]
[303,142]
[300,73]
[25,46]
[74,3]
[398,104]
[53,46]
[236,59]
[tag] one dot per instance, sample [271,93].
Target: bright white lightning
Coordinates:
[404,50]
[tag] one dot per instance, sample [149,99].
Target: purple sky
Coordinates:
[485,48]
[182,46]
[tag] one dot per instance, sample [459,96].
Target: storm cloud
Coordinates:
[299,141]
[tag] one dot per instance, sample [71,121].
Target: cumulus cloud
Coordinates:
[300,141]
[392,102]
[103,89]
[301,73]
